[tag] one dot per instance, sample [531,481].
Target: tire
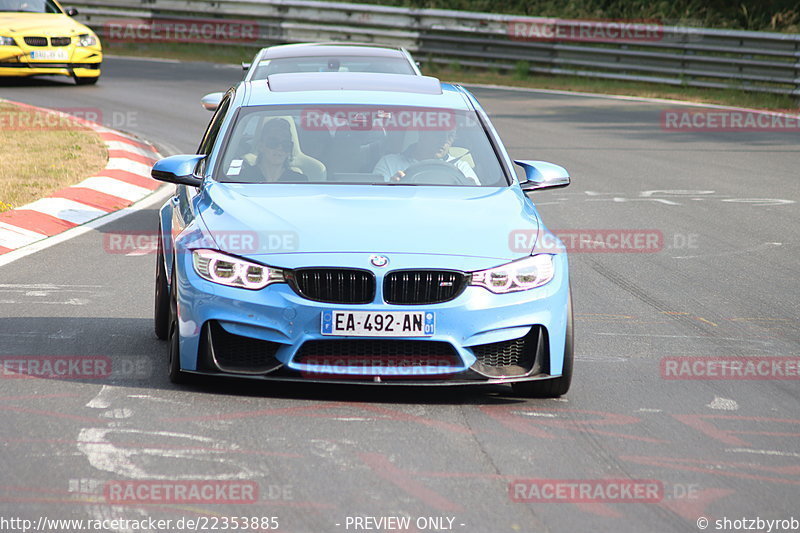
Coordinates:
[86,81]
[161,318]
[553,388]
[174,362]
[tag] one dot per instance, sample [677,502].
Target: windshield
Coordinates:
[385,65]
[29,6]
[378,145]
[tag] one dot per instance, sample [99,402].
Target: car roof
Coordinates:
[352,81]
[327,49]
[353,88]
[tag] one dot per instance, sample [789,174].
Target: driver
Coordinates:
[432,144]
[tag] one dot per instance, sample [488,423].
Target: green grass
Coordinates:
[762,15]
[183,51]
[456,72]
[522,71]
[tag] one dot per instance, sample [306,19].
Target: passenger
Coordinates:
[273,164]
[432,144]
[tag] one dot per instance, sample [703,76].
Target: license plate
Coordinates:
[378,323]
[50,55]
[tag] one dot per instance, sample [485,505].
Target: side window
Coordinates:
[210,137]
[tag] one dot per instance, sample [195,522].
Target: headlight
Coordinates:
[234,272]
[521,275]
[87,40]
[7,41]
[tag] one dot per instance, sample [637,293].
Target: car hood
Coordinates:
[382,219]
[45,24]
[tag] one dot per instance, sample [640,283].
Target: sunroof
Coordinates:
[353,81]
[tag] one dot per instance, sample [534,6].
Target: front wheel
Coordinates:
[174,364]
[553,388]
[161,318]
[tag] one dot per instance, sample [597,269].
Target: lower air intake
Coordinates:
[235,353]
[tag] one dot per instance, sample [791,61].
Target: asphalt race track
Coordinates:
[723,281]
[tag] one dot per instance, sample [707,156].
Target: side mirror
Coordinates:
[246,66]
[178,169]
[71,11]
[211,101]
[543,175]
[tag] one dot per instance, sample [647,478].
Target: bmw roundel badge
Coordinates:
[379,261]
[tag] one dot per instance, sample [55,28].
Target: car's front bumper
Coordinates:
[272,325]
[83,62]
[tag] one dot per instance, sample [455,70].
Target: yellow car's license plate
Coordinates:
[49,55]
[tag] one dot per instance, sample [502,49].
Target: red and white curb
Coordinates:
[125,180]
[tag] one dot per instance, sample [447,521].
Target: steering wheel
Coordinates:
[435,172]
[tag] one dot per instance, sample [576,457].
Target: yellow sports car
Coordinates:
[37,37]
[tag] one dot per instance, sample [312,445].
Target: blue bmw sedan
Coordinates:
[361,228]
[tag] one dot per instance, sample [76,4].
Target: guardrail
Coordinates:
[618,50]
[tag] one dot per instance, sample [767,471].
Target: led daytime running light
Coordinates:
[521,275]
[234,272]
